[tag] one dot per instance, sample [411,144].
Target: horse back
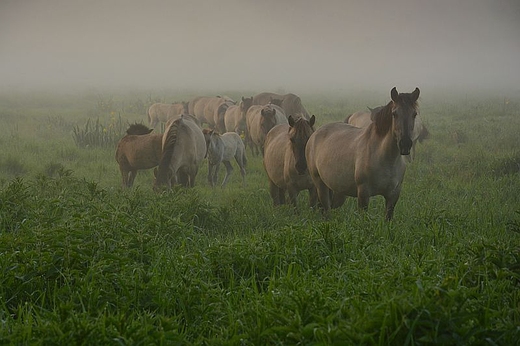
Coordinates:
[359,119]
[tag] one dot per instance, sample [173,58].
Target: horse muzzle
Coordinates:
[405,144]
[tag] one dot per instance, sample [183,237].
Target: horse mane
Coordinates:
[138,129]
[382,118]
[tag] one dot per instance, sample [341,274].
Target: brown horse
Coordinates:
[364,118]
[259,120]
[222,149]
[291,103]
[285,163]
[344,160]
[183,149]
[161,112]
[139,149]
[235,117]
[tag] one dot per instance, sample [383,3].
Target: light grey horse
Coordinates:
[223,148]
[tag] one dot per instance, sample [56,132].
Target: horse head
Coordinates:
[404,112]
[246,103]
[299,132]
[268,120]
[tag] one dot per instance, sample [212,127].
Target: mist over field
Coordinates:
[233,44]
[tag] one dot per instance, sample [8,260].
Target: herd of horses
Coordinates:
[363,156]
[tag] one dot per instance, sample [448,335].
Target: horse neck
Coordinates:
[215,148]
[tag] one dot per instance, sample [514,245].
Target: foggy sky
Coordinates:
[262,44]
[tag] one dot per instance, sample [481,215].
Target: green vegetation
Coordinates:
[84,262]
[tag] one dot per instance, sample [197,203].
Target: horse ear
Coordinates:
[242,98]
[312,120]
[394,94]
[290,120]
[415,94]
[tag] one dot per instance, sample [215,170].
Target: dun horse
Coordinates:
[259,121]
[162,112]
[291,103]
[344,160]
[183,149]
[364,118]
[139,149]
[285,163]
[222,149]
[235,117]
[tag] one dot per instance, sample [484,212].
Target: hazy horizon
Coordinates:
[267,45]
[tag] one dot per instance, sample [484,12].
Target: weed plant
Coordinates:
[83,261]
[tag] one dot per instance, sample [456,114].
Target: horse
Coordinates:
[344,160]
[219,115]
[364,118]
[223,148]
[161,112]
[235,116]
[206,109]
[139,149]
[183,149]
[259,120]
[285,162]
[291,103]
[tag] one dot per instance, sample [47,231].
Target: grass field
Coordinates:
[84,262]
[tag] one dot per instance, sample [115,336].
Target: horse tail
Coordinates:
[168,148]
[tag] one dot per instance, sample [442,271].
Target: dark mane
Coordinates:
[138,129]
[382,119]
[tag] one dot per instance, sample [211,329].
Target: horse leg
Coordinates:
[293,196]
[390,202]
[183,178]
[211,169]
[275,193]
[191,177]
[241,164]
[324,195]
[313,197]
[338,199]
[363,197]
[215,174]
[229,170]
[131,178]
[124,176]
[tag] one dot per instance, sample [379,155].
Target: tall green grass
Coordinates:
[84,262]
